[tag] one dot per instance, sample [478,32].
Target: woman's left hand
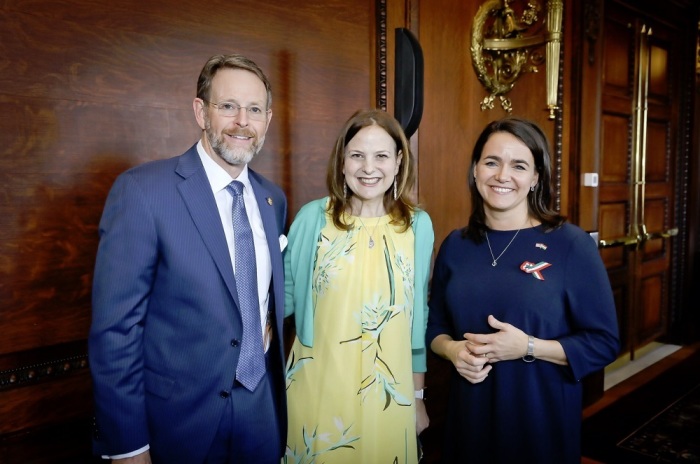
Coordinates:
[422,420]
[508,343]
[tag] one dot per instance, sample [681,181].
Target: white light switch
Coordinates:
[590,179]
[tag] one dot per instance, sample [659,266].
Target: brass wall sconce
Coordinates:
[504,46]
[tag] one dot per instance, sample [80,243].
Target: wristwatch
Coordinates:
[530,355]
[420,394]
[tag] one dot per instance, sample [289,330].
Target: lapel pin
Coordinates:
[269,201]
[534,269]
[541,246]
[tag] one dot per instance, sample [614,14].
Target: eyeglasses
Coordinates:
[230,110]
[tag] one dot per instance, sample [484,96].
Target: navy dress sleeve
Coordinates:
[594,339]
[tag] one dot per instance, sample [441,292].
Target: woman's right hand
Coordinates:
[474,368]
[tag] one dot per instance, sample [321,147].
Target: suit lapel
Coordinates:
[196,192]
[267,213]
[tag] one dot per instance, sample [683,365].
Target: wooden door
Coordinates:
[633,151]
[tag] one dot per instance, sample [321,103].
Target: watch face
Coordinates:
[528,358]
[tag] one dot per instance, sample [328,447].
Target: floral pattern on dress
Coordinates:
[308,456]
[358,292]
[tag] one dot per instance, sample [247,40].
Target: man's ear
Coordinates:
[198,107]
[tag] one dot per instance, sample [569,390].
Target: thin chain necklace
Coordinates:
[371,234]
[494,263]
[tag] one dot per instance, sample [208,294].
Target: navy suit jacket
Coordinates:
[163,343]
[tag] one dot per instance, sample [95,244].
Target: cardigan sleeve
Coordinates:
[298,267]
[424,241]
[298,264]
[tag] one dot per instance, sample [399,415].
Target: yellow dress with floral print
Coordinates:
[350,396]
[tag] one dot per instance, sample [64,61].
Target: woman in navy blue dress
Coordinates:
[522,306]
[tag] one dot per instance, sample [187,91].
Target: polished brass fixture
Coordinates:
[503,46]
[639,132]
[638,233]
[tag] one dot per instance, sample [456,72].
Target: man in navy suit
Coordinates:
[167,327]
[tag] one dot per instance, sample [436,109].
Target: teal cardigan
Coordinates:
[300,255]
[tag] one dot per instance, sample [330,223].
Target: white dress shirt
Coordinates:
[219,179]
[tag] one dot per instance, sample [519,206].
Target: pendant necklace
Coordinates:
[371,235]
[494,263]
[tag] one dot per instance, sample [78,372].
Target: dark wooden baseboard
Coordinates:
[65,443]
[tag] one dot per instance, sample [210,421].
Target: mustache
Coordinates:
[241,133]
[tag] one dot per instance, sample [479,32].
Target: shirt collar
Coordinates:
[218,177]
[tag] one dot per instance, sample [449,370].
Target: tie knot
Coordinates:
[235,187]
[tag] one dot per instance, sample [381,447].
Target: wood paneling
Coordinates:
[452,118]
[452,94]
[640,49]
[614,149]
[91,88]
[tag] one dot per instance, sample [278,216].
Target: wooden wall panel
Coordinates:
[628,43]
[452,118]
[658,72]
[612,224]
[652,322]
[451,91]
[659,165]
[90,88]
[656,213]
[584,34]
[614,167]
[45,404]
[617,44]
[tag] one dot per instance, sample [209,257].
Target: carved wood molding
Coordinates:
[381,64]
[26,375]
[683,193]
[591,13]
[697,52]
[558,135]
[42,364]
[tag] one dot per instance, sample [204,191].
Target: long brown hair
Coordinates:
[401,208]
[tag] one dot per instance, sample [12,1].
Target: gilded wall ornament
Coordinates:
[506,43]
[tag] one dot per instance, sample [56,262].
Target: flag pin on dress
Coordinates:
[534,269]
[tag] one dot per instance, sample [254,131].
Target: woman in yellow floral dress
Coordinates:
[357,268]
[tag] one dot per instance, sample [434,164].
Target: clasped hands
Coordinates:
[473,358]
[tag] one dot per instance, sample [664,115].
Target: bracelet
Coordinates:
[420,394]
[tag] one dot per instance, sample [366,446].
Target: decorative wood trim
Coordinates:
[591,13]
[697,51]
[559,133]
[26,375]
[42,364]
[682,242]
[382,60]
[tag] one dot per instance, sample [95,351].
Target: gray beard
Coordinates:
[233,156]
